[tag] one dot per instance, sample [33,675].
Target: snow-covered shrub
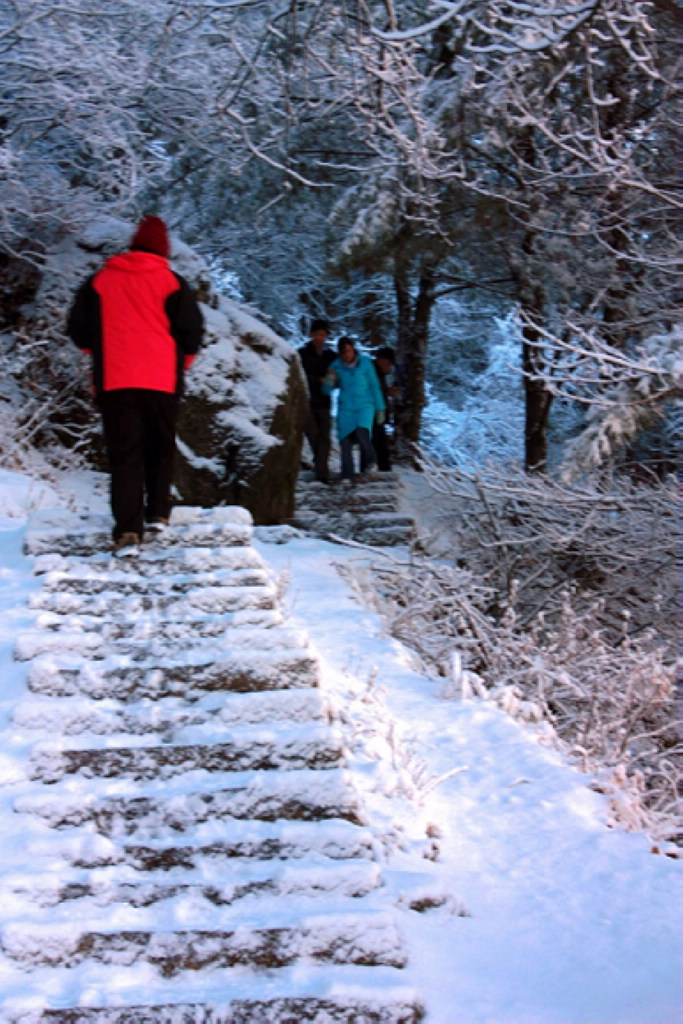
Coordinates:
[611,538]
[559,605]
[46,414]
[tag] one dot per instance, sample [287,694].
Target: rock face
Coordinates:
[242,417]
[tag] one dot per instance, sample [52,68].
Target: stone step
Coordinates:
[358,520]
[387,519]
[194,623]
[65,532]
[231,635]
[74,716]
[365,513]
[380,529]
[153,564]
[151,568]
[84,578]
[248,750]
[354,1009]
[215,599]
[137,675]
[97,638]
[191,821]
[369,939]
[211,844]
[83,895]
[297,795]
[385,532]
[92,541]
[378,482]
[350,500]
[66,521]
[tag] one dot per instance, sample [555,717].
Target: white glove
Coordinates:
[380,417]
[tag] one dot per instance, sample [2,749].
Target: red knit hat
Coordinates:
[151,235]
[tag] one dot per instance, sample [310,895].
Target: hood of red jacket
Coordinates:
[137,262]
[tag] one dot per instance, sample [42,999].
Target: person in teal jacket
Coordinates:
[360,404]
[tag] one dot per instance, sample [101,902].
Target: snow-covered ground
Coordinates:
[518,904]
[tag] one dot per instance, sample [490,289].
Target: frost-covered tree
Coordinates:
[477,144]
[91,102]
[564,114]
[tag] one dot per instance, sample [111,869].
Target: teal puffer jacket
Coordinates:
[360,394]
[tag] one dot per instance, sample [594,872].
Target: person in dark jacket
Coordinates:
[142,326]
[392,383]
[316,359]
[384,363]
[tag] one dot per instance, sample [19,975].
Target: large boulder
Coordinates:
[245,403]
[242,418]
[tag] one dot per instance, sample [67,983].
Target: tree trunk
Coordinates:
[537,398]
[537,401]
[413,337]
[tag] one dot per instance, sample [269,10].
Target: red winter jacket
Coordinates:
[140,321]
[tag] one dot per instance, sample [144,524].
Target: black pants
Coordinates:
[380,442]
[139,432]
[368,457]
[317,432]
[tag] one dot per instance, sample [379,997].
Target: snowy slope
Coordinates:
[569,922]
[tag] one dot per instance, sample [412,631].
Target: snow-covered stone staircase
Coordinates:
[195,850]
[368,512]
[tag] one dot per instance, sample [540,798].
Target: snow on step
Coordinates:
[70,534]
[279,898]
[76,893]
[340,938]
[300,747]
[316,994]
[384,529]
[212,845]
[151,570]
[215,599]
[131,678]
[156,639]
[147,626]
[170,720]
[299,795]
[93,541]
[355,1009]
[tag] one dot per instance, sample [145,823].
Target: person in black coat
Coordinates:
[385,368]
[316,359]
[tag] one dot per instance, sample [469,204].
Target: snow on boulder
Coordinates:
[242,417]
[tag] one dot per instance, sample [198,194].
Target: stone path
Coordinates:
[195,848]
[368,512]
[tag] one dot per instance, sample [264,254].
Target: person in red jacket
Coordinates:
[142,326]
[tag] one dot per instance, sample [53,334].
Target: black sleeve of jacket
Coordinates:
[84,327]
[185,318]
[83,323]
